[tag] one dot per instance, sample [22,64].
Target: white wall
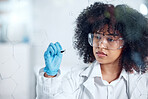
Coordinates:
[15,79]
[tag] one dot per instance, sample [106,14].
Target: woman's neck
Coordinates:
[110,72]
[110,68]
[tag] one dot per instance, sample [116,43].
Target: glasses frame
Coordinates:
[90,41]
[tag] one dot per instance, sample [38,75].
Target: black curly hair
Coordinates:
[132,25]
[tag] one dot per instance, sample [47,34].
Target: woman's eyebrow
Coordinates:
[99,33]
[112,34]
[109,34]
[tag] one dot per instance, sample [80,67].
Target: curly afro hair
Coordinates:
[132,25]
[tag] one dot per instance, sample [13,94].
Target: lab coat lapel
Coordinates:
[92,71]
[137,92]
[90,87]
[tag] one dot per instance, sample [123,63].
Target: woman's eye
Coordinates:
[97,37]
[110,39]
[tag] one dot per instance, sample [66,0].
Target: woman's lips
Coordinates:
[101,54]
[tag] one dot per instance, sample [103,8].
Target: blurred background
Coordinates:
[26,29]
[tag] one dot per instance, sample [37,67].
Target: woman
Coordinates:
[113,40]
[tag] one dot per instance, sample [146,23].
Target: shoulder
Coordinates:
[138,84]
[137,77]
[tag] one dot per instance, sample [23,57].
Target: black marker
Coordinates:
[62,51]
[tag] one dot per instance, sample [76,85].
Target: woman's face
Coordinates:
[104,55]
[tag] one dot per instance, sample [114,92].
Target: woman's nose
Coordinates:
[102,43]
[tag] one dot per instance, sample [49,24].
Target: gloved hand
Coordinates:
[53,58]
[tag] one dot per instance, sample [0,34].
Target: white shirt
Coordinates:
[117,89]
[87,83]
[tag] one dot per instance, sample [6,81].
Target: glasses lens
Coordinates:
[108,41]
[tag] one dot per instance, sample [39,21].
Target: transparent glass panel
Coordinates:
[27,27]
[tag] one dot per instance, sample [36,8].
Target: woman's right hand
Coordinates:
[53,58]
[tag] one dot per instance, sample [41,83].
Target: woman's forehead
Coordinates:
[107,29]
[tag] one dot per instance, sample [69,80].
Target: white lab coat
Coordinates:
[79,84]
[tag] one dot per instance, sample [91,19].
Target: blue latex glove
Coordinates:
[53,58]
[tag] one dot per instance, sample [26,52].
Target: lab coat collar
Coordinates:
[124,74]
[93,70]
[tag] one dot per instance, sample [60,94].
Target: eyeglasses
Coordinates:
[108,41]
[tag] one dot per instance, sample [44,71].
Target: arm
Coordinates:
[47,80]
[57,87]
[47,88]
[48,76]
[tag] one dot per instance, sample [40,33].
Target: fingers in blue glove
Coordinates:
[59,47]
[52,49]
[55,49]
